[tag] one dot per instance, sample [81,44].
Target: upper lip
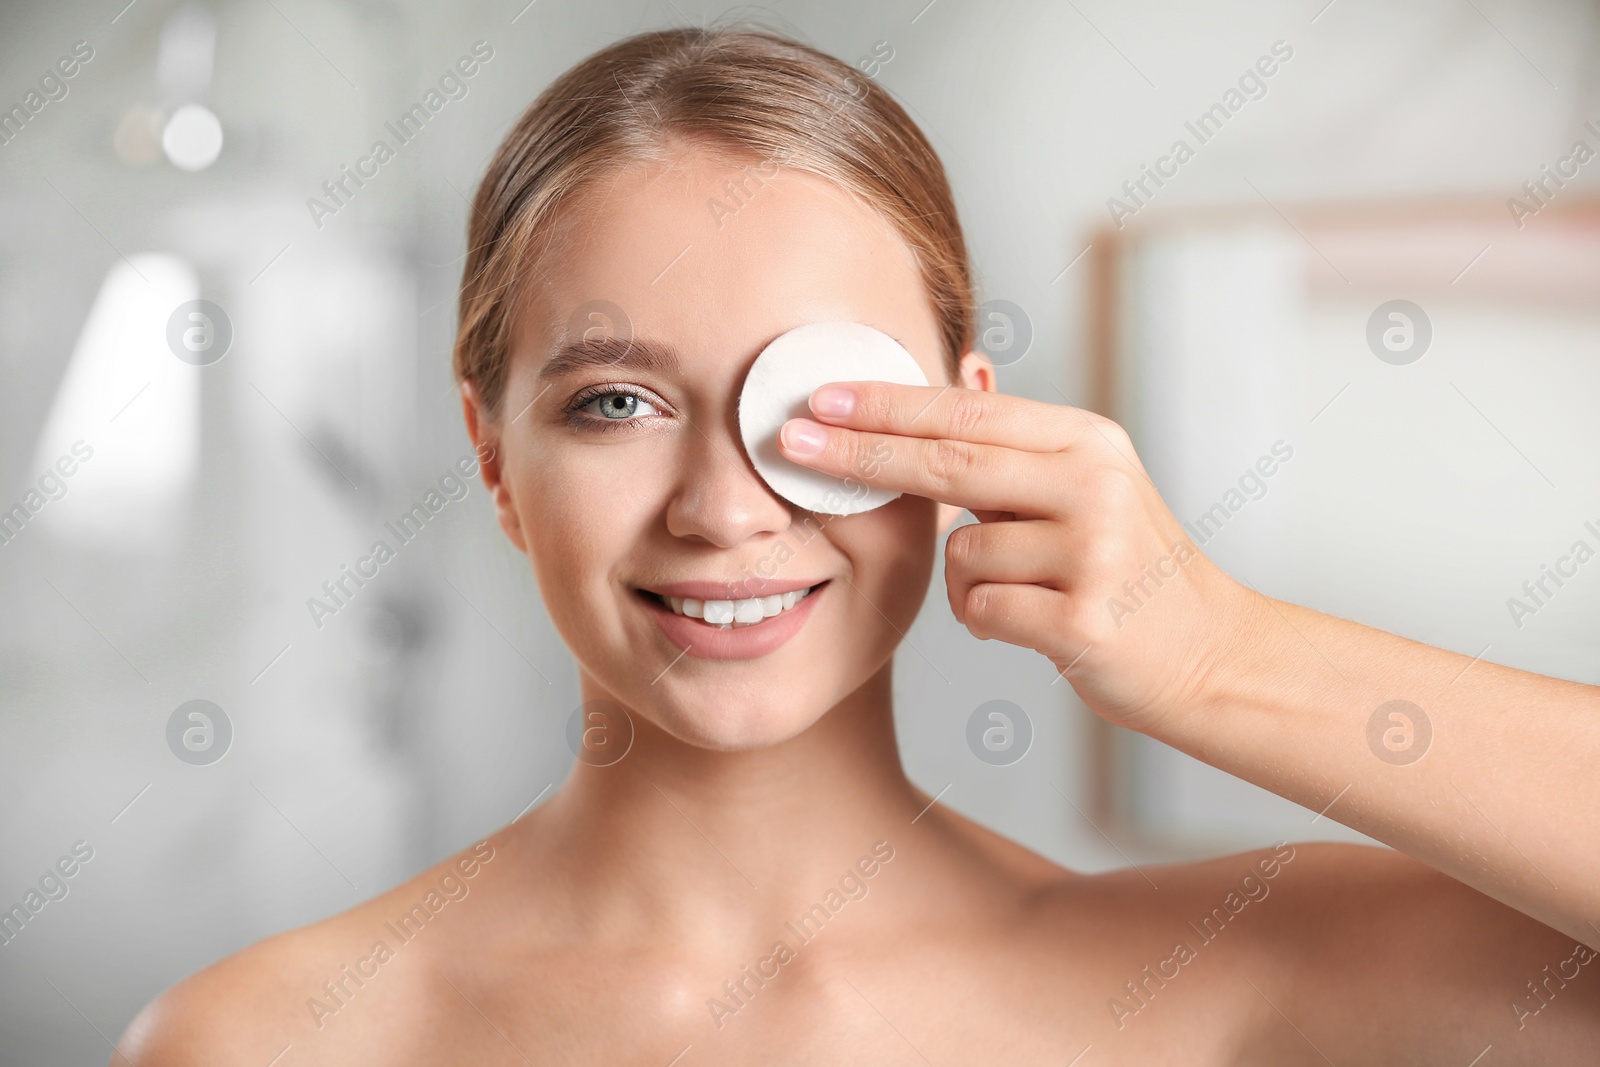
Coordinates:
[743,589]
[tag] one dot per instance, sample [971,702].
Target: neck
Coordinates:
[695,841]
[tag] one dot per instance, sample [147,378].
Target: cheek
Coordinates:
[583,511]
[891,550]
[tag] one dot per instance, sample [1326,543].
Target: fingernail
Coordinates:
[803,437]
[833,400]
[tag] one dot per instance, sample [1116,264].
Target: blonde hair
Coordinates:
[746,92]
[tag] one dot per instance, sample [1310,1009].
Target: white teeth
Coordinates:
[725,614]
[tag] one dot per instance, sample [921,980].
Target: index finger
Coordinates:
[954,412]
[977,477]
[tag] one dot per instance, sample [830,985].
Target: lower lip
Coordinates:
[743,642]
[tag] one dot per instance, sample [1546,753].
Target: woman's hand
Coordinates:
[1075,554]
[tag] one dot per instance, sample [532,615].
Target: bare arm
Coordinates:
[1484,772]
[1077,556]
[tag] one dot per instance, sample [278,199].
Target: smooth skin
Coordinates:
[610,924]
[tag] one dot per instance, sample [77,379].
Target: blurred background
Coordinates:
[1379,258]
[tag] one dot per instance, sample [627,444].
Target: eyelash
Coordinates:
[596,424]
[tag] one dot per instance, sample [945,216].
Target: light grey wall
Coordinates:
[431,709]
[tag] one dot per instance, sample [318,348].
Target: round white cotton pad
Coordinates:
[779,388]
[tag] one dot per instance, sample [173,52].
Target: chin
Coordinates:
[737,719]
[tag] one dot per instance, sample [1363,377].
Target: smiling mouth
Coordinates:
[733,614]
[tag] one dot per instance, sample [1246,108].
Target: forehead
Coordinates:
[717,257]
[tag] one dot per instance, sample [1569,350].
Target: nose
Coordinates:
[719,498]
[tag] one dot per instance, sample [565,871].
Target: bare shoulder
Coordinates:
[1318,952]
[1372,955]
[234,1008]
[290,990]
[1002,856]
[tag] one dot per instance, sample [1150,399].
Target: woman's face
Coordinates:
[626,482]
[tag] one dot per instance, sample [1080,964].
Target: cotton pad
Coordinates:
[779,388]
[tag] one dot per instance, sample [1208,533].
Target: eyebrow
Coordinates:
[632,353]
[635,353]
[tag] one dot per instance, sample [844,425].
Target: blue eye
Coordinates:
[604,407]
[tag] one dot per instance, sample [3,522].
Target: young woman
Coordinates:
[738,870]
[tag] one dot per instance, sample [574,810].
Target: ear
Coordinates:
[976,373]
[485,436]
